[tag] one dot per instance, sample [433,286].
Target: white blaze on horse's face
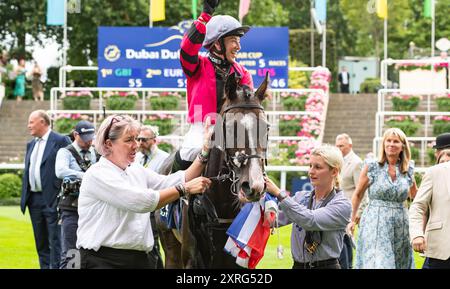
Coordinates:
[256,178]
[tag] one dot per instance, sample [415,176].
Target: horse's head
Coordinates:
[245,136]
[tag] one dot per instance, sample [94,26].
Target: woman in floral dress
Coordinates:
[383,238]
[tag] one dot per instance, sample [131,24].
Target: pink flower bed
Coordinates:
[311,124]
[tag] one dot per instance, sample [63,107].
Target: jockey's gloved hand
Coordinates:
[210,5]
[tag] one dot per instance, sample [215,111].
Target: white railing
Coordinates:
[282,169]
[427,117]
[55,92]
[386,62]
[424,145]
[275,92]
[379,125]
[382,93]
[145,92]
[176,137]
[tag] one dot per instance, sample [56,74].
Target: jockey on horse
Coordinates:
[206,76]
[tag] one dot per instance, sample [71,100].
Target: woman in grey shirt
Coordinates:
[319,217]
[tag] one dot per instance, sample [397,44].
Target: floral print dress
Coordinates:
[383,238]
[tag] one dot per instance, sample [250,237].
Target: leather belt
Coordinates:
[316,265]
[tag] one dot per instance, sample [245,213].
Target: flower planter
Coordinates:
[77,102]
[441,126]
[415,154]
[431,157]
[117,102]
[292,103]
[65,125]
[443,103]
[165,100]
[409,127]
[289,127]
[167,147]
[405,103]
[165,125]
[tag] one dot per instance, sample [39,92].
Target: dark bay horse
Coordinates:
[236,168]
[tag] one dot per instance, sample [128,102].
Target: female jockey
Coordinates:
[207,75]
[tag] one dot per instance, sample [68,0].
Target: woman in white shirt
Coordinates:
[117,196]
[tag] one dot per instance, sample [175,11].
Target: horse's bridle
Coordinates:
[235,162]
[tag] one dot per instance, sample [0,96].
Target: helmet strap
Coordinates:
[222,52]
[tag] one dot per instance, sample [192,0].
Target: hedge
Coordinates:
[10,186]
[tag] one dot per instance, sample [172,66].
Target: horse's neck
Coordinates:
[215,163]
[220,193]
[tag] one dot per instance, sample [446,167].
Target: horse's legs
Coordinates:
[170,244]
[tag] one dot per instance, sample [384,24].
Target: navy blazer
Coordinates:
[51,185]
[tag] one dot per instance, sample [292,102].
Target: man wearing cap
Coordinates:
[430,206]
[71,164]
[442,142]
[40,187]
[207,75]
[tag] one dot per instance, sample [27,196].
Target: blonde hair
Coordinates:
[333,158]
[405,155]
[117,126]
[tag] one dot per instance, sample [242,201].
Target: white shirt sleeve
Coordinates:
[118,191]
[159,182]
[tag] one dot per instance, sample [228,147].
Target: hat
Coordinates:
[86,130]
[442,141]
[223,26]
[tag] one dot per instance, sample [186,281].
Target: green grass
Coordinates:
[270,260]
[17,249]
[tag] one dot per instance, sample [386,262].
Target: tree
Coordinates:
[418,28]
[18,18]
[368,29]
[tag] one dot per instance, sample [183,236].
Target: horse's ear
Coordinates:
[261,91]
[231,87]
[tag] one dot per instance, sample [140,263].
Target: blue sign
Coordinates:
[301,184]
[149,57]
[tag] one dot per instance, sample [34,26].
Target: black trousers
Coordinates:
[47,232]
[345,88]
[346,258]
[431,263]
[110,258]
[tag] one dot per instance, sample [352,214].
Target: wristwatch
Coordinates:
[282,195]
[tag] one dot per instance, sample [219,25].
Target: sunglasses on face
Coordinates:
[144,139]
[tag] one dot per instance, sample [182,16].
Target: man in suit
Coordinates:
[344,80]
[442,143]
[149,155]
[40,187]
[350,177]
[433,197]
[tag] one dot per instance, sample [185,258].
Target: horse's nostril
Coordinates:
[246,188]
